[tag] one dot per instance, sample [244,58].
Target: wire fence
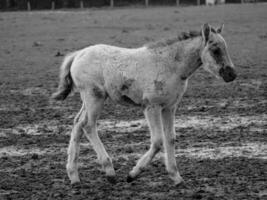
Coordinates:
[59,4]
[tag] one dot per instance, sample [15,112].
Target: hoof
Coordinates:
[181,185]
[179,182]
[111,179]
[177,179]
[130,179]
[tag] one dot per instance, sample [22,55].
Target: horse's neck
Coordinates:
[190,56]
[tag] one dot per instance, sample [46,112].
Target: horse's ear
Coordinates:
[220,29]
[206,29]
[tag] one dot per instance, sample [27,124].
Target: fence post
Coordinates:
[147,3]
[111,3]
[53,5]
[81,5]
[198,2]
[28,5]
[177,2]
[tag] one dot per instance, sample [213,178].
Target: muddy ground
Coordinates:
[221,146]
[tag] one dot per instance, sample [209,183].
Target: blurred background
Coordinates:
[57,4]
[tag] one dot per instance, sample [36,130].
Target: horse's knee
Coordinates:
[75,137]
[157,146]
[71,169]
[89,127]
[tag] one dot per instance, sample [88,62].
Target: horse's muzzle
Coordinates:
[227,73]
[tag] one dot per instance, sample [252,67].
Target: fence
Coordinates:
[57,4]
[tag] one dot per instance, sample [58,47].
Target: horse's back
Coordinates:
[101,64]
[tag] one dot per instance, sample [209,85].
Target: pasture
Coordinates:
[221,144]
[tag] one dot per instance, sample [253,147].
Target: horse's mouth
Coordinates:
[228,74]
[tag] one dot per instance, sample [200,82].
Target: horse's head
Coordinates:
[214,54]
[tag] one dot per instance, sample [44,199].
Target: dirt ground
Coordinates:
[221,146]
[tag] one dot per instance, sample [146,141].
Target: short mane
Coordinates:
[180,37]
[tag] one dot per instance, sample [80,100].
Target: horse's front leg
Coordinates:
[168,116]
[153,117]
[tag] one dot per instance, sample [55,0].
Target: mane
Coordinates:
[180,37]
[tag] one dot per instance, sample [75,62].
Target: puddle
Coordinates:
[31,91]
[258,124]
[3,135]
[221,123]
[197,122]
[248,150]
[9,108]
[122,126]
[47,128]
[228,103]
[16,151]
[253,83]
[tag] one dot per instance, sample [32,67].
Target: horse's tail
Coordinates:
[65,80]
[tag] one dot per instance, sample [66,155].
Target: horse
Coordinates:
[154,76]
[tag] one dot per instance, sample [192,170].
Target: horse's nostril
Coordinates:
[221,71]
[233,74]
[229,70]
[227,73]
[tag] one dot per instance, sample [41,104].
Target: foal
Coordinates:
[154,76]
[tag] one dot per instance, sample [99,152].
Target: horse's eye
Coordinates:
[217,54]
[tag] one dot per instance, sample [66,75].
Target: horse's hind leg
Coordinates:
[153,117]
[93,106]
[74,146]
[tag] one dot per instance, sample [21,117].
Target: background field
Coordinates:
[222,144]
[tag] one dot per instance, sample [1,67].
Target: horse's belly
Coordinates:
[124,90]
[130,91]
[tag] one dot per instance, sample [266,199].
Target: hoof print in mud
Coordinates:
[112,179]
[76,188]
[77,185]
[130,179]
[35,156]
[181,185]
